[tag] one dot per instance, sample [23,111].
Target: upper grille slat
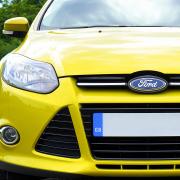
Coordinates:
[101,81]
[59,138]
[131,148]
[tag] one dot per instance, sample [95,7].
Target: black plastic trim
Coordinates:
[42,16]
[35,172]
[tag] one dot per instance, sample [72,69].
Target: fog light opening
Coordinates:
[9,135]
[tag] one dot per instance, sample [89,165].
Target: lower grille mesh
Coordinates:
[130,148]
[59,137]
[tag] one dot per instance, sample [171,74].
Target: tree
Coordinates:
[25,8]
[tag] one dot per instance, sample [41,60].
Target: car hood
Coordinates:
[106,50]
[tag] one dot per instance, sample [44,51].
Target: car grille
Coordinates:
[59,138]
[121,81]
[130,148]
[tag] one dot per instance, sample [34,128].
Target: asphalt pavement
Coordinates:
[120,178]
[125,178]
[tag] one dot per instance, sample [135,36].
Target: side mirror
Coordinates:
[16,27]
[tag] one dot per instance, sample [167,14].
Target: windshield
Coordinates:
[92,13]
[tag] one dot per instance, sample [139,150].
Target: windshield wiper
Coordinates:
[95,26]
[101,26]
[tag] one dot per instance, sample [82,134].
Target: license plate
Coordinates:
[136,124]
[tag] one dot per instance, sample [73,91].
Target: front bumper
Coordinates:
[30,113]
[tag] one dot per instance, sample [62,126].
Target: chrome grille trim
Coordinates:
[174,84]
[99,84]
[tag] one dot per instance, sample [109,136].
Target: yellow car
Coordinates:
[93,91]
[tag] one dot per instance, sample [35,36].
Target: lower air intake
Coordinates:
[59,138]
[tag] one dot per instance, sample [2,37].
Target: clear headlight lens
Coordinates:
[30,75]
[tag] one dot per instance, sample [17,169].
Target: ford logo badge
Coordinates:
[148,84]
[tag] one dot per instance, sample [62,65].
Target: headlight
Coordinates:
[30,75]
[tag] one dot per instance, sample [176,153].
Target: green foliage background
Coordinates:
[22,8]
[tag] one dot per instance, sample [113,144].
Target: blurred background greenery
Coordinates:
[16,8]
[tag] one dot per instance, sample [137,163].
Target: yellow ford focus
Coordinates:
[93,90]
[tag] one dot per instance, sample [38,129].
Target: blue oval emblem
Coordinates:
[148,84]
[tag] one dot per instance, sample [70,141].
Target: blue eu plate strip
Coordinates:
[98,124]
